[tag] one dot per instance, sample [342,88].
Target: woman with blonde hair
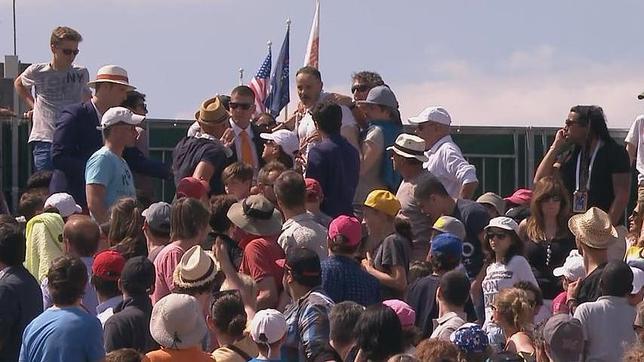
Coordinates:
[512,311]
[545,233]
[126,228]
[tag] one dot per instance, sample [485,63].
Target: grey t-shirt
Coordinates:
[421,225]
[393,251]
[54,89]
[371,180]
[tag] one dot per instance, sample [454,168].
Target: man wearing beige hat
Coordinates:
[407,155]
[494,204]
[446,162]
[594,234]
[76,136]
[203,155]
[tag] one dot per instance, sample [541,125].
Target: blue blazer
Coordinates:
[75,140]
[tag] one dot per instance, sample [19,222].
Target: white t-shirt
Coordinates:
[635,137]
[53,89]
[501,276]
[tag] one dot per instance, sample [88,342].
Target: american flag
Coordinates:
[312,57]
[259,84]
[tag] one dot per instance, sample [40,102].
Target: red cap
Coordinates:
[347,226]
[108,265]
[313,188]
[520,197]
[192,187]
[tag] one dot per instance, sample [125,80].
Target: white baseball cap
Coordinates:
[116,115]
[268,326]
[638,280]
[573,268]
[505,223]
[432,114]
[64,203]
[285,139]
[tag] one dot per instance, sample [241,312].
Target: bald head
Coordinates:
[82,235]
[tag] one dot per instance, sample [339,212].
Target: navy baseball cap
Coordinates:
[448,245]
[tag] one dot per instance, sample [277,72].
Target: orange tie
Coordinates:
[246,149]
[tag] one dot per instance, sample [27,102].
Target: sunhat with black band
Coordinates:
[212,111]
[256,215]
[409,146]
[195,269]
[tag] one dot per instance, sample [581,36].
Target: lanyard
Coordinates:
[590,166]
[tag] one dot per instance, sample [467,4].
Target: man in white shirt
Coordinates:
[247,145]
[56,84]
[300,228]
[446,161]
[309,89]
[634,139]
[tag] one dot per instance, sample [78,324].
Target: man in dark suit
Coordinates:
[76,136]
[20,295]
[248,145]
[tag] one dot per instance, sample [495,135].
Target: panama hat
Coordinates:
[112,74]
[409,146]
[593,228]
[196,268]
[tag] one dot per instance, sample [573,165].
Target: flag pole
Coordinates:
[288,28]
[241,76]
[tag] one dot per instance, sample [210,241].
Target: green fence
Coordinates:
[505,157]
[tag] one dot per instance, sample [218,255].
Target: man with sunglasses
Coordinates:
[56,84]
[247,145]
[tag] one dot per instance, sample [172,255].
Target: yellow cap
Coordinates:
[384,201]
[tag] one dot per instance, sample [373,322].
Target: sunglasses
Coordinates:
[70,51]
[244,106]
[491,236]
[359,88]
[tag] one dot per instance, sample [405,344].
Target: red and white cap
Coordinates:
[112,74]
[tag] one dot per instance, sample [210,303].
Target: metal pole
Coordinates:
[241,76]
[15,51]
[12,69]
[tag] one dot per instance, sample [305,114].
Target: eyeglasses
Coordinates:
[359,88]
[70,51]
[244,106]
[491,236]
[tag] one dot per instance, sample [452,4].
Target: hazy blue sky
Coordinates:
[488,62]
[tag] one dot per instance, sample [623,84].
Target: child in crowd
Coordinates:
[268,330]
[237,179]
[571,271]
[314,197]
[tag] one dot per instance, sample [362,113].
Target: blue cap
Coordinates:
[448,245]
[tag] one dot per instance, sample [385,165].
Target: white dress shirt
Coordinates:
[446,163]
[238,147]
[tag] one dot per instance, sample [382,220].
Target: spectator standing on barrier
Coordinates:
[76,136]
[203,156]
[107,175]
[247,144]
[596,170]
[446,161]
[361,83]
[56,84]
[333,162]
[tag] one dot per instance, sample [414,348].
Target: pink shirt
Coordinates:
[164,264]
[559,304]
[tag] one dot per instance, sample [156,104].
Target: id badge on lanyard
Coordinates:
[580,196]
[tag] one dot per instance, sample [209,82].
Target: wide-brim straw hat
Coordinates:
[177,322]
[593,228]
[112,74]
[256,215]
[212,111]
[196,268]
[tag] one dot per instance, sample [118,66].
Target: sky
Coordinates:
[493,63]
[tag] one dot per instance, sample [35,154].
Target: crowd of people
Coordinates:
[344,233]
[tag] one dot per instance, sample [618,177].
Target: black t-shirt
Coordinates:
[395,250]
[475,218]
[537,255]
[589,289]
[190,151]
[611,158]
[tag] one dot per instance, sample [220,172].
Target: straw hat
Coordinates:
[409,146]
[593,228]
[211,111]
[256,215]
[111,74]
[177,322]
[196,268]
